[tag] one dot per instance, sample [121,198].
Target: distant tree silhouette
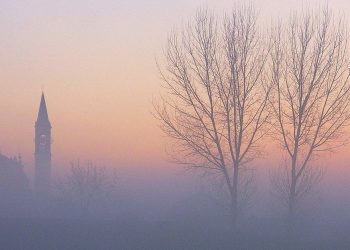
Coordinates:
[214,104]
[86,186]
[310,73]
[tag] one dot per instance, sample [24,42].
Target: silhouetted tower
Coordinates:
[42,151]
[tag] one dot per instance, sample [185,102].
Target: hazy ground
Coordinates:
[176,212]
[175,234]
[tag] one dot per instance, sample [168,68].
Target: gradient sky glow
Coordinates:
[95,60]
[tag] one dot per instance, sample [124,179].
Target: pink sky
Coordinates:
[96,62]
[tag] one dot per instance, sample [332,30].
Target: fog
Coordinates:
[175,209]
[95,153]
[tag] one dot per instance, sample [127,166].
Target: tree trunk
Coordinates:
[291,204]
[235,195]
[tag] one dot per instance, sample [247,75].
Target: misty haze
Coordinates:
[174,124]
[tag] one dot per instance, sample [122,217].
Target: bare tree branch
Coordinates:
[310,73]
[215,100]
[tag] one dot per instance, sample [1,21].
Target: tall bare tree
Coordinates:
[310,73]
[214,104]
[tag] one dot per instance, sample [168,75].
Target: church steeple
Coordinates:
[42,151]
[42,114]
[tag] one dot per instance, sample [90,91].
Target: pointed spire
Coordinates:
[42,115]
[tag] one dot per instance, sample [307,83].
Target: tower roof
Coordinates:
[42,115]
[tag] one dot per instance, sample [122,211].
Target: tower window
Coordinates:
[42,139]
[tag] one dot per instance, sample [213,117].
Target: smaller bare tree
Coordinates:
[86,186]
[310,72]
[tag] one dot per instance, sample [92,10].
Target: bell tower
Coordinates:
[42,151]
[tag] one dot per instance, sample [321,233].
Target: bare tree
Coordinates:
[310,73]
[214,104]
[86,186]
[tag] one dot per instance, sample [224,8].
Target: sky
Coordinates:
[96,63]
